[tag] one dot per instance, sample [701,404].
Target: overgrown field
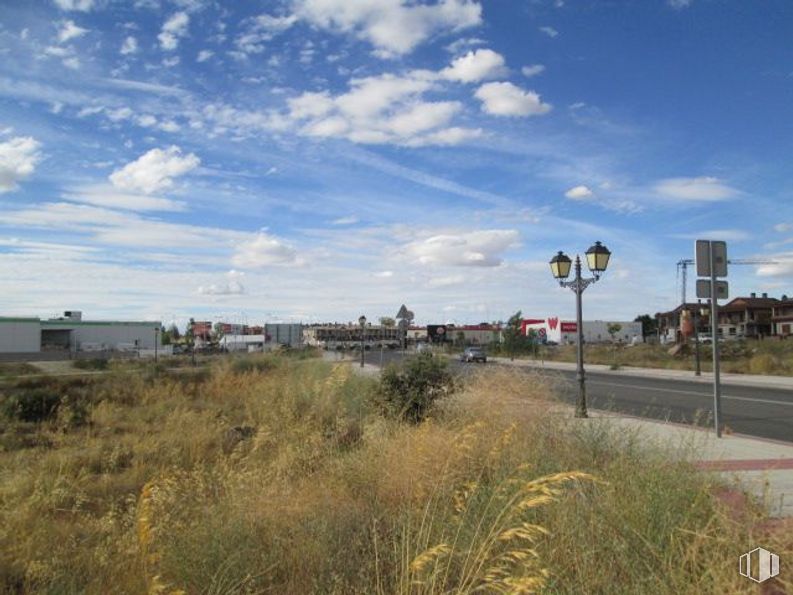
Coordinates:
[273,474]
[741,357]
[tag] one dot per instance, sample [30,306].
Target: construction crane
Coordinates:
[682,271]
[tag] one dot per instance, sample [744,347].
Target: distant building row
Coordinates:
[750,317]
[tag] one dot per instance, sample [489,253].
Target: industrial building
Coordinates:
[273,335]
[71,334]
[565,332]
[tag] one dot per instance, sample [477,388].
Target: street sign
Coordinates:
[703,289]
[702,253]
[403,312]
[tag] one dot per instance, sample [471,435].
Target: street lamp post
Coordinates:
[597,260]
[362,322]
[156,341]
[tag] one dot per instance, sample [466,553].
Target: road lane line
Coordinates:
[688,392]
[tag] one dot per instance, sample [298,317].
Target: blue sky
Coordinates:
[317,159]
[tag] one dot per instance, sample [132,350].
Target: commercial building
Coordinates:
[344,336]
[71,334]
[564,332]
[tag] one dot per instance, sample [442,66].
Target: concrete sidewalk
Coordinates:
[783,382]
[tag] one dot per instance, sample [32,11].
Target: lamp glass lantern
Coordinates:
[597,258]
[362,321]
[560,265]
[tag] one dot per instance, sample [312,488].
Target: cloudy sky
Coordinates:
[318,159]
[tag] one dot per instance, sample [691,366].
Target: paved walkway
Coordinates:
[785,382]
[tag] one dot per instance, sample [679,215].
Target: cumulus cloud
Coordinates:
[532,70]
[393,27]
[678,4]
[18,159]
[154,171]
[549,31]
[380,109]
[173,30]
[232,286]
[263,250]
[130,46]
[475,66]
[69,31]
[78,5]
[204,55]
[482,248]
[701,189]
[506,99]
[783,227]
[579,193]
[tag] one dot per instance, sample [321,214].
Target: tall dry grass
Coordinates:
[500,491]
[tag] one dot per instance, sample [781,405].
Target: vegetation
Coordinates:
[283,478]
[96,363]
[739,357]
[408,392]
[17,369]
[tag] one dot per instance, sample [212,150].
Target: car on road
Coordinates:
[474,354]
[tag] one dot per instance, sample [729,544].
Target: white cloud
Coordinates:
[263,250]
[482,248]
[782,268]
[464,43]
[380,109]
[475,66]
[579,193]
[393,27]
[384,274]
[107,196]
[351,220]
[506,99]
[204,55]
[678,4]
[549,31]
[783,227]
[154,171]
[73,63]
[70,31]
[118,114]
[130,46]
[173,30]
[79,5]
[532,70]
[701,189]
[261,29]
[230,287]
[146,121]
[18,159]
[728,235]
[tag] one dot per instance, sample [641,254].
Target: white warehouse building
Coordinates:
[564,332]
[70,333]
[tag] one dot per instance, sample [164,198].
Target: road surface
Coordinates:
[754,411]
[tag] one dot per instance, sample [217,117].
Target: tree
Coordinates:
[514,341]
[387,321]
[217,331]
[459,338]
[410,391]
[165,336]
[649,325]
[613,328]
[173,331]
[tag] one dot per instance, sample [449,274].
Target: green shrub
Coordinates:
[96,363]
[32,405]
[408,392]
[244,365]
[764,363]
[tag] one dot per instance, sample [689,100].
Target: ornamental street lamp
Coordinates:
[597,258]
[362,322]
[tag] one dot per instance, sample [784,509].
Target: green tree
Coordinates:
[613,328]
[387,321]
[173,331]
[459,338]
[165,336]
[514,340]
[649,325]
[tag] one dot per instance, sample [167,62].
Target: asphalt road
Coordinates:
[755,411]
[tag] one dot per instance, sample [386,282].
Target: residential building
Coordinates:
[669,323]
[782,317]
[747,317]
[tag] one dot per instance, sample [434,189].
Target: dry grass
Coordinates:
[500,491]
[772,357]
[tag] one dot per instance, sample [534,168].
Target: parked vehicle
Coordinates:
[473,354]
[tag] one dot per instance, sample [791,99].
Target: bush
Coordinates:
[409,392]
[96,363]
[33,405]
[764,363]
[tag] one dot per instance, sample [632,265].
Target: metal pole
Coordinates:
[156,333]
[580,410]
[362,344]
[714,327]
[698,369]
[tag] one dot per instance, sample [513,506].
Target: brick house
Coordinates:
[669,322]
